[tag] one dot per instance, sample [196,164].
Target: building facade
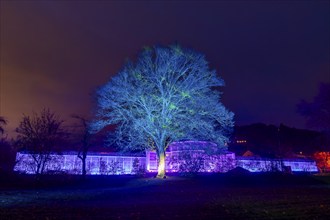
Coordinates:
[185,156]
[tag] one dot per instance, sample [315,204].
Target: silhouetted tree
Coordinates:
[85,140]
[7,155]
[273,141]
[7,151]
[317,112]
[2,122]
[39,135]
[169,94]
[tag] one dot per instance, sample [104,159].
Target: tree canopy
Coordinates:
[168,94]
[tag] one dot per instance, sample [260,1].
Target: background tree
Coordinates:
[7,151]
[323,161]
[275,141]
[317,112]
[84,136]
[2,123]
[39,135]
[7,156]
[169,94]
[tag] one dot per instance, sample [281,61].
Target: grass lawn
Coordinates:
[218,196]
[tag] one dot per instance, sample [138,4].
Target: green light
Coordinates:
[172,106]
[185,94]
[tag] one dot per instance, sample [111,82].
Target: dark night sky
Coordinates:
[271,54]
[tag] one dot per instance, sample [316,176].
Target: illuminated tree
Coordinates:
[39,135]
[322,160]
[169,94]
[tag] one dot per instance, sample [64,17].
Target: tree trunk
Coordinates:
[84,166]
[38,169]
[161,165]
[83,163]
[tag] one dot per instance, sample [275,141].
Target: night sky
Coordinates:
[271,54]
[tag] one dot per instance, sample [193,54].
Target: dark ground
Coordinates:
[218,196]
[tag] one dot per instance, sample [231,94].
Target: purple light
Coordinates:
[181,156]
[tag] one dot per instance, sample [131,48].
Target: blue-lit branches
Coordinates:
[169,94]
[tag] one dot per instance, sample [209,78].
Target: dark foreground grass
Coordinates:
[257,196]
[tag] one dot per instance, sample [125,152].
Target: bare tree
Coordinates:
[39,134]
[170,94]
[85,140]
[2,122]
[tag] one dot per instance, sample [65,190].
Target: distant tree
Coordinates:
[322,161]
[38,135]
[2,122]
[7,150]
[169,94]
[7,155]
[85,141]
[317,112]
[275,141]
